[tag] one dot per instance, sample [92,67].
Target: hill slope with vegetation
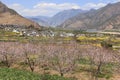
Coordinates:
[9,16]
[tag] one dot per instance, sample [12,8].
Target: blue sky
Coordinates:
[51,7]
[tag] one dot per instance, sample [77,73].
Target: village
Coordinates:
[23,31]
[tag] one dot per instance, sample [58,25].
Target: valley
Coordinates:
[73,44]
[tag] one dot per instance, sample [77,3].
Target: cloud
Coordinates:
[44,9]
[117,0]
[19,8]
[57,6]
[50,9]
[93,6]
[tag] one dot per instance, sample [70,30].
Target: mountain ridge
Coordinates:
[10,16]
[58,18]
[97,19]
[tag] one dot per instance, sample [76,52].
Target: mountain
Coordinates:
[57,19]
[42,20]
[107,17]
[60,17]
[9,16]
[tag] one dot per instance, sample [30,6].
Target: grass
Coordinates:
[106,70]
[84,61]
[14,74]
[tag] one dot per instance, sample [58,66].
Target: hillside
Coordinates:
[9,16]
[62,16]
[107,17]
[58,18]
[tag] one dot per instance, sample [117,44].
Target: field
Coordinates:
[85,57]
[14,74]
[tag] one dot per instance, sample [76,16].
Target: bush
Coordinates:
[106,45]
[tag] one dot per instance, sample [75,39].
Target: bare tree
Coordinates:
[30,54]
[117,59]
[62,59]
[44,57]
[7,51]
[99,56]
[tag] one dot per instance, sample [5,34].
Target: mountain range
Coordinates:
[105,18]
[9,16]
[58,18]
[42,20]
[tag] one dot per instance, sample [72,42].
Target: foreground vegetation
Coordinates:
[14,74]
[60,59]
[85,57]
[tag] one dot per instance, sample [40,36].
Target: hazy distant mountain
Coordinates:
[42,20]
[9,16]
[60,17]
[57,19]
[107,17]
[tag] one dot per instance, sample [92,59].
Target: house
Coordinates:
[47,33]
[70,34]
[79,35]
[64,34]
[15,31]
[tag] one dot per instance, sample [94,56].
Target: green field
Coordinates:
[14,74]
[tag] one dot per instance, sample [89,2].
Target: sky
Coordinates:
[51,7]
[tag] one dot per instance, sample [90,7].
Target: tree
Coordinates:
[62,59]
[7,51]
[99,56]
[44,57]
[30,54]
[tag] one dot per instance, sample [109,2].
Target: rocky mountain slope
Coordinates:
[62,16]
[9,16]
[57,19]
[107,17]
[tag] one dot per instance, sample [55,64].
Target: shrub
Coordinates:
[106,44]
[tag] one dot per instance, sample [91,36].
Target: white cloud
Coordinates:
[117,0]
[44,9]
[57,6]
[16,6]
[49,9]
[93,6]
